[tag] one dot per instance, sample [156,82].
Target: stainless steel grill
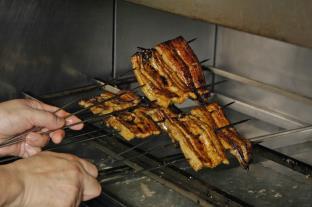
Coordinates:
[153,172]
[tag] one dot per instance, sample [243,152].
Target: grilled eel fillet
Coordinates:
[230,139]
[156,87]
[133,124]
[172,79]
[188,56]
[170,72]
[177,54]
[126,100]
[178,133]
[172,59]
[197,140]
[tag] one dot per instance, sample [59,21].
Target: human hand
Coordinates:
[17,116]
[48,179]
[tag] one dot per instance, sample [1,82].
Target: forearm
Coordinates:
[11,188]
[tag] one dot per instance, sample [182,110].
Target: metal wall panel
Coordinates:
[143,26]
[50,45]
[269,61]
[285,20]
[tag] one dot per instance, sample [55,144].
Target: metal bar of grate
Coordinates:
[194,189]
[283,159]
[105,199]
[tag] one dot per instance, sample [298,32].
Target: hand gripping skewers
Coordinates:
[22,136]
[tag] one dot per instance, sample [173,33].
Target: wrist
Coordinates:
[11,186]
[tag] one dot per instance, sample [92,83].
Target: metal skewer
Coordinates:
[164,164]
[78,141]
[192,40]
[232,124]
[166,145]
[209,84]
[130,149]
[227,105]
[11,140]
[203,61]
[131,173]
[103,101]
[22,138]
[145,152]
[90,120]
[34,129]
[68,143]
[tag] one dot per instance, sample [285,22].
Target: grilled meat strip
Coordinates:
[172,59]
[197,140]
[230,139]
[152,89]
[182,136]
[125,129]
[173,80]
[157,114]
[133,124]
[170,72]
[209,127]
[186,53]
[203,141]
[100,106]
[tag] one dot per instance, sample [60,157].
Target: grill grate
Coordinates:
[136,162]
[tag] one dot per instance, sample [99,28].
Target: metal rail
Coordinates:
[283,159]
[259,84]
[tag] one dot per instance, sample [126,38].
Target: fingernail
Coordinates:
[69,121]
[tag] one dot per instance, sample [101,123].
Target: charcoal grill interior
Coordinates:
[80,45]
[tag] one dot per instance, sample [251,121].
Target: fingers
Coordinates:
[86,174]
[57,136]
[91,188]
[89,167]
[86,165]
[52,121]
[59,113]
[36,140]
[44,119]
[72,120]
[40,105]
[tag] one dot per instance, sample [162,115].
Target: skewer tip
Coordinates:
[227,105]
[203,61]
[192,40]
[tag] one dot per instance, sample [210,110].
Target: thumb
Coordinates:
[45,119]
